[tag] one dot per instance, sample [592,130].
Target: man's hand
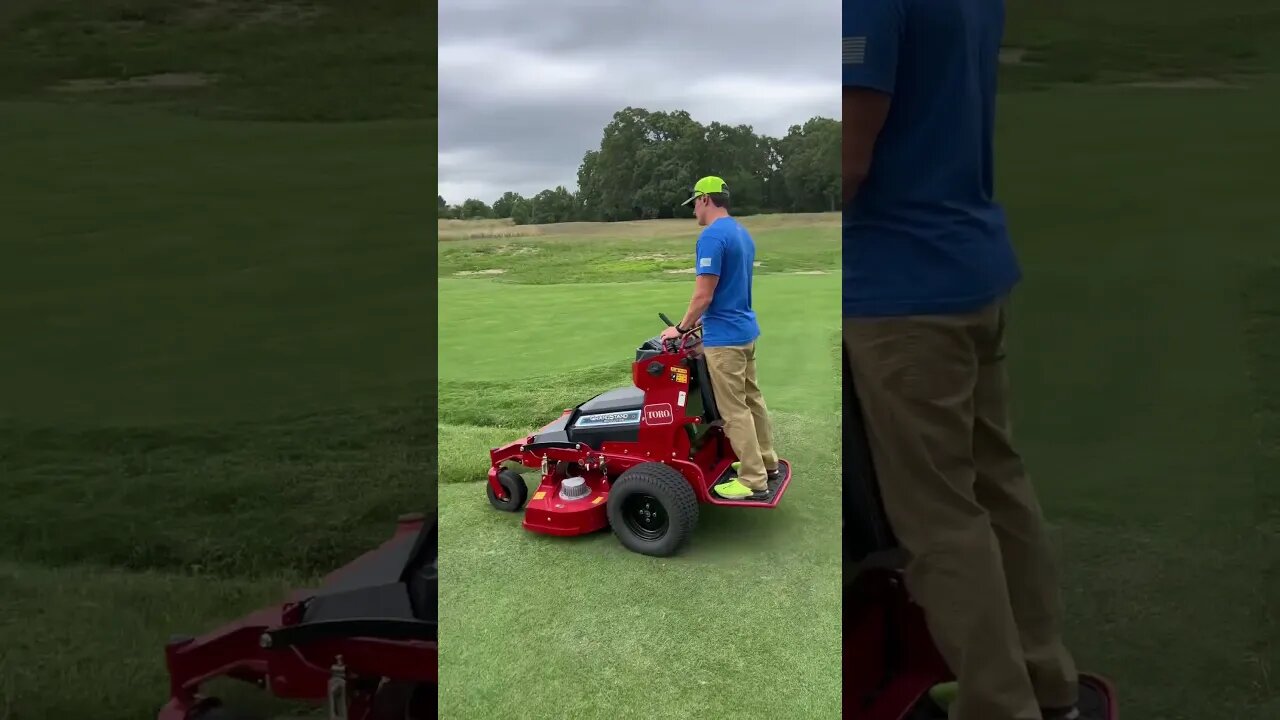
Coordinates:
[671,333]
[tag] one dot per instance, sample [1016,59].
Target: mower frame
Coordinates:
[351,644]
[679,427]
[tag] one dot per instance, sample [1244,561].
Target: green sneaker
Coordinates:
[773,474]
[943,694]
[734,490]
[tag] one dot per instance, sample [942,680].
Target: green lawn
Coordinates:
[212,380]
[298,60]
[594,628]
[1144,357]
[212,333]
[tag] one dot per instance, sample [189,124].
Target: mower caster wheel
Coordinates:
[652,509]
[517,493]
[404,701]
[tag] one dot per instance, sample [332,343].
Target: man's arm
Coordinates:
[704,288]
[709,253]
[864,115]
[872,37]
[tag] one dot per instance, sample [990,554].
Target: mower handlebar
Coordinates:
[686,338]
[667,320]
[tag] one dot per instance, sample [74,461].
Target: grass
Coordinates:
[212,380]
[302,60]
[1142,356]
[86,642]
[1094,41]
[624,252]
[605,628]
[204,285]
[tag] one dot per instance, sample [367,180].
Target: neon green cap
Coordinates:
[706,186]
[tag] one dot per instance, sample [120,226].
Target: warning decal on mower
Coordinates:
[597,501]
[680,375]
[540,494]
[660,414]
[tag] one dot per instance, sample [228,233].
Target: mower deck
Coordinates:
[370,627]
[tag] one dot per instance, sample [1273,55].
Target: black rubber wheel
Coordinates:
[652,510]
[405,701]
[517,493]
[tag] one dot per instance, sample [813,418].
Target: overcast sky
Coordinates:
[527,87]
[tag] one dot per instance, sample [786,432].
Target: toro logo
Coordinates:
[659,414]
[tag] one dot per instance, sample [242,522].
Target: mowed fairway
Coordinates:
[1146,361]
[214,381]
[580,627]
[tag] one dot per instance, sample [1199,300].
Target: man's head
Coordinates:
[710,200]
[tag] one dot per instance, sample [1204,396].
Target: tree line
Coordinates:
[647,162]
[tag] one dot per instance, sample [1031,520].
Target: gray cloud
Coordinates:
[526,88]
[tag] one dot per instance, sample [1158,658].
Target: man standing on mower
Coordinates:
[725,256]
[928,268]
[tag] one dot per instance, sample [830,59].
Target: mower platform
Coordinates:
[1097,702]
[771,500]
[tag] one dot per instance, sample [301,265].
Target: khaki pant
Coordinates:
[935,395]
[746,419]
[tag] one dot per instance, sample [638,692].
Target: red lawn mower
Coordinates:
[890,661]
[637,459]
[363,644]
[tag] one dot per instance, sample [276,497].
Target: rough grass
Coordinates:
[477,415]
[627,252]
[88,642]
[279,267]
[302,494]
[279,60]
[215,380]
[1101,41]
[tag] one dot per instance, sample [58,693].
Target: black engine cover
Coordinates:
[612,416]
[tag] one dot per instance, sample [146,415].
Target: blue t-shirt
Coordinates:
[726,249]
[924,235]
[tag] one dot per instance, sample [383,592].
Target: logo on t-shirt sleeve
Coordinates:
[855,50]
[704,262]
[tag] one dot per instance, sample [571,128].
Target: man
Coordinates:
[725,256]
[928,266]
